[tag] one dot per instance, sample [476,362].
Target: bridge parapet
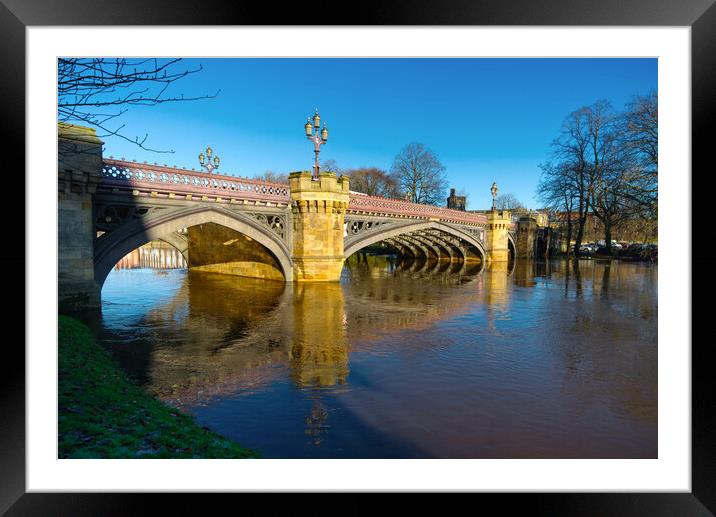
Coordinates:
[170,182]
[386,207]
[146,179]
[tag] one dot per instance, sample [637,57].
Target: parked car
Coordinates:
[587,250]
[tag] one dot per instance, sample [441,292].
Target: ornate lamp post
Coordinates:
[317,138]
[206,161]
[493,191]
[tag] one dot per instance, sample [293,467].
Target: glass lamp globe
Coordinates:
[316,120]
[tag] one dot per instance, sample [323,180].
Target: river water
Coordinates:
[546,360]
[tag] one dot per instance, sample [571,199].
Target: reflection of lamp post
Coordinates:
[317,138]
[208,165]
[493,190]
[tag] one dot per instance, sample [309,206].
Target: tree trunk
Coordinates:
[581,223]
[580,233]
[608,234]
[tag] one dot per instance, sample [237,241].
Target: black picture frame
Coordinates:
[700,15]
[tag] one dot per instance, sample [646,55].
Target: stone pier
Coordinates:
[318,209]
[526,234]
[496,235]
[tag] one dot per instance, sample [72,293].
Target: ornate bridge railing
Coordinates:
[147,178]
[369,205]
[169,180]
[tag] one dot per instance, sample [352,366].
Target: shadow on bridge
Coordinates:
[219,239]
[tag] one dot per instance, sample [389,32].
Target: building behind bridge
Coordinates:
[456,202]
[541,216]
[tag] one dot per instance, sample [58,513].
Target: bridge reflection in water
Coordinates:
[155,254]
[460,363]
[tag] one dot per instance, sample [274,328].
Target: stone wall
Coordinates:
[79,168]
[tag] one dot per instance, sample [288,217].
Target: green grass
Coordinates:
[104,414]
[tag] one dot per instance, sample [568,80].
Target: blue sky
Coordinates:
[487,119]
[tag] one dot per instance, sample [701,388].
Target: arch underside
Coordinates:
[178,241]
[418,262]
[110,248]
[429,241]
[512,253]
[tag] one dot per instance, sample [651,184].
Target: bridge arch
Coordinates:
[398,230]
[112,247]
[511,244]
[181,244]
[402,248]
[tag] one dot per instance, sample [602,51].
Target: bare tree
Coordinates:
[605,163]
[640,131]
[272,177]
[373,182]
[97,91]
[570,151]
[558,192]
[332,166]
[418,173]
[508,202]
[611,169]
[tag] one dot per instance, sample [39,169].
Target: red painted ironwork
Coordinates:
[142,176]
[169,180]
[395,207]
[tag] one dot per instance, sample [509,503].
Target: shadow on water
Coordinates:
[402,361]
[200,318]
[313,424]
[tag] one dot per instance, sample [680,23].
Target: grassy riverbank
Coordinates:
[103,414]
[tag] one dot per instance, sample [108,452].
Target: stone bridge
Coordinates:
[301,231]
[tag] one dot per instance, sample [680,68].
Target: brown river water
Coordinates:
[545,360]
